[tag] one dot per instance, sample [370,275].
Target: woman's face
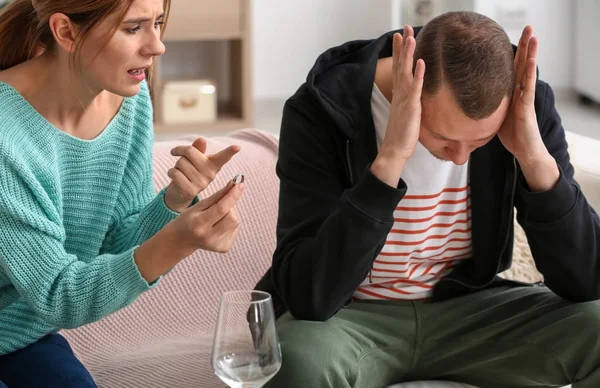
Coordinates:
[119,65]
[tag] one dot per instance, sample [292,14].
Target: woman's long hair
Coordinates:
[25,28]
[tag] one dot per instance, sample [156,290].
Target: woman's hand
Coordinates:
[193,172]
[212,225]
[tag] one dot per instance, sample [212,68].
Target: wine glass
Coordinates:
[246,351]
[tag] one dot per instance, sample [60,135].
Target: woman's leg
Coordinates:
[49,362]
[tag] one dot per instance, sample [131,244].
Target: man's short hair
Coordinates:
[472,56]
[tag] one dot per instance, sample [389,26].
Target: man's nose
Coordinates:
[459,153]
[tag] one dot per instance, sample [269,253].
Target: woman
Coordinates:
[82,233]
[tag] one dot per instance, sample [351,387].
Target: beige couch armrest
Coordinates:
[585,158]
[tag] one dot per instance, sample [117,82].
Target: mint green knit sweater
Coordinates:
[72,212]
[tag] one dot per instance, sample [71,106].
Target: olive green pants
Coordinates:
[499,337]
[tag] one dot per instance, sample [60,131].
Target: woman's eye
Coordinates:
[133,30]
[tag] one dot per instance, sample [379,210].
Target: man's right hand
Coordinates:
[403,127]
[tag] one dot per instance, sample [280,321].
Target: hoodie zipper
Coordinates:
[506,238]
[348,160]
[512,210]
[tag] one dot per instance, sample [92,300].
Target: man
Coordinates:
[399,175]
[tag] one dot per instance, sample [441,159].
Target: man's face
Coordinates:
[449,134]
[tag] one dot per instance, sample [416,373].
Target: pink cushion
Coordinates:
[164,338]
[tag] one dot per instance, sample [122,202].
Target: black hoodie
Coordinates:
[335,215]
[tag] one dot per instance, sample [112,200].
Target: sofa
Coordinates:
[164,338]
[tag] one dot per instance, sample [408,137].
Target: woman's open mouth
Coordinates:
[138,74]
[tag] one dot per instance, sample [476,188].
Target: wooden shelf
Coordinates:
[208,39]
[192,19]
[227,119]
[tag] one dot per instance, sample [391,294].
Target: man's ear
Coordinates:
[64,31]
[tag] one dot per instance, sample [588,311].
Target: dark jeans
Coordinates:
[48,363]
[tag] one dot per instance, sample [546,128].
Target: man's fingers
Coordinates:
[521,57]
[522,47]
[397,52]
[407,59]
[532,49]
[224,156]
[402,62]
[520,70]
[529,83]
[417,86]
[200,144]
[220,209]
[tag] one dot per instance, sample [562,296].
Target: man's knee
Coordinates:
[309,341]
[311,353]
[579,324]
[587,315]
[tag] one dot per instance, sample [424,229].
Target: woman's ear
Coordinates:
[64,31]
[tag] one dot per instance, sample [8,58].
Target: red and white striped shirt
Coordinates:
[432,228]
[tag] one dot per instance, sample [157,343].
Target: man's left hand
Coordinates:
[520,133]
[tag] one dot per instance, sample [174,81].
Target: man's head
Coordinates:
[468,83]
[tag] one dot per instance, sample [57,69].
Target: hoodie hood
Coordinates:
[341,80]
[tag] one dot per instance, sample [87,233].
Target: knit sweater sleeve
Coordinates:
[140,225]
[141,212]
[145,212]
[64,291]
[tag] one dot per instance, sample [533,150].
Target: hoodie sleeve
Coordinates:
[328,233]
[562,228]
